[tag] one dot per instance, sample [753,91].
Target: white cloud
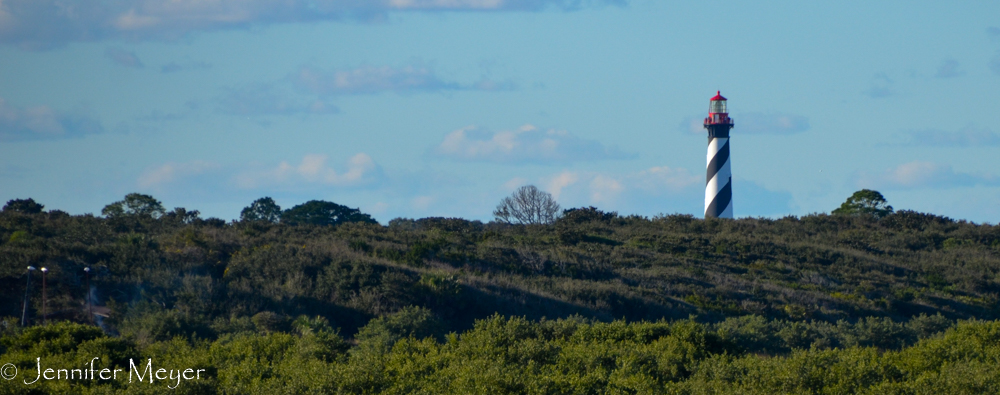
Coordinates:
[161,176]
[42,123]
[35,24]
[634,190]
[526,144]
[560,181]
[693,125]
[921,174]
[376,79]
[659,190]
[670,180]
[313,170]
[604,189]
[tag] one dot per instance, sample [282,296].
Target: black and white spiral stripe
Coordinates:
[718,180]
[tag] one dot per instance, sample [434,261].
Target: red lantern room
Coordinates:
[717,112]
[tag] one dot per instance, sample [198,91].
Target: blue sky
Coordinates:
[417,108]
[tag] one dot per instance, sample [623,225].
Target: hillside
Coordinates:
[593,303]
[205,274]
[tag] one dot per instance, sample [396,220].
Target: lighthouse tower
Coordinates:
[719,177]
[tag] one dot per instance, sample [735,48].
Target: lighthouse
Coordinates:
[719,177]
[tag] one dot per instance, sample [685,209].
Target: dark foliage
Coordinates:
[318,212]
[24,206]
[592,263]
[754,287]
[263,209]
[135,205]
[865,202]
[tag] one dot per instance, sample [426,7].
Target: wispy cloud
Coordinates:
[311,174]
[267,99]
[692,124]
[921,174]
[663,179]
[40,24]
[526,144]
[123,58]
[174,67]
[655,190]
[42,123]
[608,188]
[968,136]
[881,86]
[164,175]
[770,123]
[561,181]
[377,79]
[312,171]
[949,69]
[754,123]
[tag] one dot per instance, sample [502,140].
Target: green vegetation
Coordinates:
[263,209]
[318,212]
[396,355]
[865,202]
[594,302]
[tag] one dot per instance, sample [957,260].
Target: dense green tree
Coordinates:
[26,206]
[181,215]
[319,212]
[135,204]
[263,209]
[527,205]
[865,202]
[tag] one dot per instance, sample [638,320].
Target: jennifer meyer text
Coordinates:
[136,373]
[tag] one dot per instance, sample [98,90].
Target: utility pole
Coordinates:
[45,299]
[24,309]
[90,310]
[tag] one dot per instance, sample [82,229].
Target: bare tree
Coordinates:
[527,205]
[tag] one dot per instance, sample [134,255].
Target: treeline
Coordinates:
[399,354]
[768,291]
[198,273]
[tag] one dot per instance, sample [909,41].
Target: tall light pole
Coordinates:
[45,299]
[90,311]
[24,309]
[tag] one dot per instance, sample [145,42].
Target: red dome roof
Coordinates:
[718,96]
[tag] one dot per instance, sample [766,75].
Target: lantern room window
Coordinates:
[717,107]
